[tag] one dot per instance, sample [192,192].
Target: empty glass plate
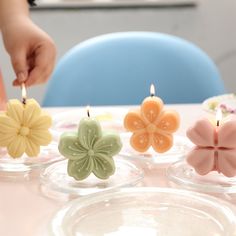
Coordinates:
[181,146]
[145,211]
[57,183]
[48,155]
[182,174]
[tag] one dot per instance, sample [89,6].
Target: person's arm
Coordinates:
[31,50]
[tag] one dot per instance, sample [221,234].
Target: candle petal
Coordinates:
[133,121]
[140,141]
[89,132]
[15,110]
[8,125]
[81,168]
[70,147]
[162,142]
[31,112]
[151,109]
[104,166]
[202,133]
[202,159]
[17,147]
[40,137]
[227,162]
[109,145]
[168,121]
[43,122]
[6,138]
[227,134]
[31,149]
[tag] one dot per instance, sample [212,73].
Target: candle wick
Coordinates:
[24,101]
[88,113]
[152,95]
[218,123]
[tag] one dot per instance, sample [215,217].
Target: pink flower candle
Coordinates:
[215,148]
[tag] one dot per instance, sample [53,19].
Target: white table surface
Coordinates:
[25,211]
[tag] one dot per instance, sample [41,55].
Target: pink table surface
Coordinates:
[25,211]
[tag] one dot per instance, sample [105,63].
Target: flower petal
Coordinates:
[89,132]
[42,122]
[227,134]
[227,162]
[17,147]
[133,121]
[202,133]
[6,139]
[151,109]
[108,145]
[201,159]
[15,110]
[70,147]
[31,149]
[80,168]
[8,125]
[40,137]
[31,113]
[104,166]
[168,121]
[140,141]
[162,142]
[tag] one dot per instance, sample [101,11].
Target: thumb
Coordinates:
[19,63]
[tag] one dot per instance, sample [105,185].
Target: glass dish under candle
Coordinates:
[56,183]
[181,146]
[184,175]
[145,211]
[48,155]
[110,119]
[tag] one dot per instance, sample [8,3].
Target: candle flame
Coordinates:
[23,93]
[88,108]
[218,116]
[152,90]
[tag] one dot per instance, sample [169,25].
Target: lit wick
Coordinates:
[23,92]
[152,90]
[218,117]
[88,111]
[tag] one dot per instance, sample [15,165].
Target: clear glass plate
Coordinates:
[48,155]
[145,211]
[227,103]
[181,146]
[110,119]
[185,176]
[57,183]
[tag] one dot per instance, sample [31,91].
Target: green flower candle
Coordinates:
[89,150]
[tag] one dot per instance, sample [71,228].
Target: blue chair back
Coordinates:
[118,69]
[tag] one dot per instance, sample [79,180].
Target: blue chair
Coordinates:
[118,69]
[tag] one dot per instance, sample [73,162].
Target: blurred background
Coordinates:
[210,24]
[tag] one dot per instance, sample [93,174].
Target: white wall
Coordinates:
[210,25]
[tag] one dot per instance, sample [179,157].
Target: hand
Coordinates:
[31,50]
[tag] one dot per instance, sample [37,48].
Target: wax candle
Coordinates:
[215,146]
[24,127]
[152,125]
[89,150]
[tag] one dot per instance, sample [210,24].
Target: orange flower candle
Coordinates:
[151,125]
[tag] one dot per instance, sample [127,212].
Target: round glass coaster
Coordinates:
[56,182]
[145,211]
[181,146]
[48,154]
[110,119]
[185,176]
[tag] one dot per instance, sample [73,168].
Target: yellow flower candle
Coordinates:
[24,127]
[152,125]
